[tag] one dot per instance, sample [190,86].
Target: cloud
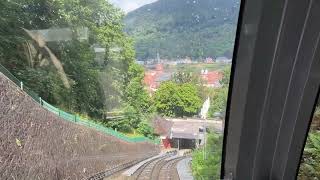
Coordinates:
[130,5]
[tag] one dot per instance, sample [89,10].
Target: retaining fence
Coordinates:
[73,118]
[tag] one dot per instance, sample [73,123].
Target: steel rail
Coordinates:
[113,170]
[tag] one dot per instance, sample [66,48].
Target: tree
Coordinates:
[145,129]
[226,76]
[189,101]
[31,63]
[177,100]
[135,92]
[139,103]
[165,98]
[172,28]
[208,168]
[218,100]
[186,77]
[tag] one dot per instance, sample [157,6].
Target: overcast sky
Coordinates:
[130,5]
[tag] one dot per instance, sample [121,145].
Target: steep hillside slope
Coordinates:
[179,28]
[35,144]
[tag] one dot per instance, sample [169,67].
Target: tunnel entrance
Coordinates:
[182,143]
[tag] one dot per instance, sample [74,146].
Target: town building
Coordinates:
[184,133]
[208,60]
[223,60]
[211,78]
[153,78]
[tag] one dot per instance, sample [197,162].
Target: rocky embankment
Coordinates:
[36,144]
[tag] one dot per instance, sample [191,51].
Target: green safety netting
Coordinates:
[74,118]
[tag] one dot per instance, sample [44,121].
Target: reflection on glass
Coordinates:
[101,86]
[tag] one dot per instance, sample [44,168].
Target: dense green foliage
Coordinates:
[206,164]
[218,96]
[177,100]
[310,163]
[145,129]
[181,28]
[33,63]
[135,94]
[218,100]
[226,76]
[186,77]
[138,104]
[67,73]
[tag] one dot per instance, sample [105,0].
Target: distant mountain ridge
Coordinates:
[183,28]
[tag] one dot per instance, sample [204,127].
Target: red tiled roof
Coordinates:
[151,76]
[212,77]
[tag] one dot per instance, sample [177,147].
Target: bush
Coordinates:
[145,129]
[310,163]
[209,167]
[120,125]
[177,100]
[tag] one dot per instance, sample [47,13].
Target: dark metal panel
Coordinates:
[296,99]
[279,87]
[274,86]
[248,30]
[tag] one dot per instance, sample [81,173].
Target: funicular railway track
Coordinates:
[160,169]
[113,170]
[148,170]
[168,170]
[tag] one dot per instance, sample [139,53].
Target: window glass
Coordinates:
[91,86]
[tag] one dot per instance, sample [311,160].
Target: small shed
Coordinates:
[186,135]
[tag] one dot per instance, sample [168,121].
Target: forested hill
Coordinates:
[180,28]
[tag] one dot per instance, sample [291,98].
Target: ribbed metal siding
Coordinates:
[276,77]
